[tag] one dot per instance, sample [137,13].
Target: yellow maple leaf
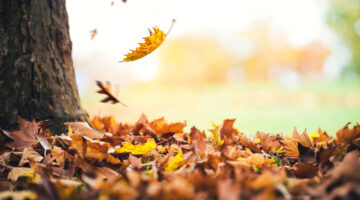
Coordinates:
[215,137]
[175,163]
[140,149]
[151,43]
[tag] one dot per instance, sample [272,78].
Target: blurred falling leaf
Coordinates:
[93,34]
[151,43]
[105,89]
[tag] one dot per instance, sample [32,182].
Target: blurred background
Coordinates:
[271,64]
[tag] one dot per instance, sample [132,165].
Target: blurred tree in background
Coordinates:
[344,18]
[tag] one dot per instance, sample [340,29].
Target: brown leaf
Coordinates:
[25,137]
[303,139]
[105,89]
[269,143]
[249,144]
[160,126]
[290,148]
[304,170]
[346,135]
[83,129]
[30,154]
[227,129]
[135,162]
[17,172]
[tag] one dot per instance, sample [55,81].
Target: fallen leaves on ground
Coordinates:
[159,160]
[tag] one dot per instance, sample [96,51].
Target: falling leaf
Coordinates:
[151,43]
[140,149]
[105,89]
[93,33]
[175,163]
[26,136]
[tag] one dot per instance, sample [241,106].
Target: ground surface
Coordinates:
[159,160]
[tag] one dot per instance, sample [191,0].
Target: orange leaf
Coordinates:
[151,43]
[93,33]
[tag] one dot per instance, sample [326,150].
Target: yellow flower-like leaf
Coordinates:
[216,135]
[140,149]
[314,135]
[151,43]
[175,163]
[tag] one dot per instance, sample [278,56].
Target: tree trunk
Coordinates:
[36,75]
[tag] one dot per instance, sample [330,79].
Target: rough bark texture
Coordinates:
[36,69]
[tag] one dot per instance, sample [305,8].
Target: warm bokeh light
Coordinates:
[271,64]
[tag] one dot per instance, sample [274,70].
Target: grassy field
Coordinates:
[256,106]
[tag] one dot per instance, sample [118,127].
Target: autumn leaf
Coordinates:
[28,155]
[140,149]
[93,33]
[17,172]
[257,160]
[26,136]
[175,163]
[151,43]
[18,195]
[105,89]
[215,138]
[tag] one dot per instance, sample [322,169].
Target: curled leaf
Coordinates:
[151,43]
[105,89]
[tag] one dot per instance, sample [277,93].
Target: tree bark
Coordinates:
[36,69]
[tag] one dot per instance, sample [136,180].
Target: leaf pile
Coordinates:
[158,160]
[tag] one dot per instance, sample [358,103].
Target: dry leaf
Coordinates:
[30,154]
[176,162]
[25,137]
[105,89]
[18,195]
[83,129]
[94,33]
[151,43]
[215,138]
[17,172]
[303,139]
[140,149]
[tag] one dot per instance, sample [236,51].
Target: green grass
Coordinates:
[256,106]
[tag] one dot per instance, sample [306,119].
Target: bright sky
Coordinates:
[123,25]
